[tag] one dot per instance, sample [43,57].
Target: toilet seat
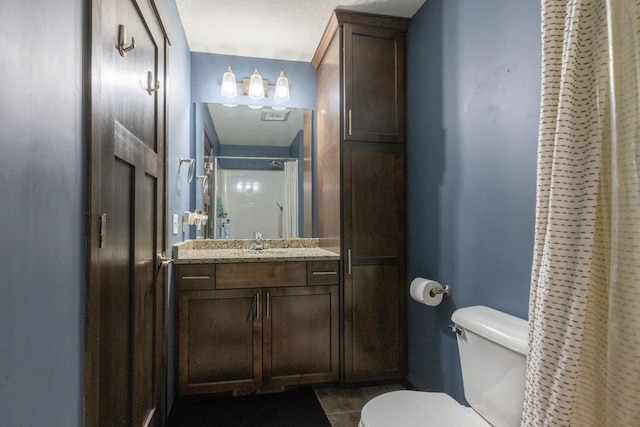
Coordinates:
[408,408]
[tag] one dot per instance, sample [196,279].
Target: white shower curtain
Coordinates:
[583,366]
[290,204]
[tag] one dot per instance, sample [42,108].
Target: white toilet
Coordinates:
[493,348]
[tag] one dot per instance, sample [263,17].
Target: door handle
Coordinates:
[162,260]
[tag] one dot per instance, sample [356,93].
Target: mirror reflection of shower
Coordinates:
[256,193]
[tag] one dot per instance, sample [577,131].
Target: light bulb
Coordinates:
[282,88]
[229,88]
[256,87]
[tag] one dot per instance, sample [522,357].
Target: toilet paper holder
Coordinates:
[446,290]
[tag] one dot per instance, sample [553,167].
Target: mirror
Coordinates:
[254,171]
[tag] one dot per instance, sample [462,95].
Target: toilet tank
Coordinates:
[493,347]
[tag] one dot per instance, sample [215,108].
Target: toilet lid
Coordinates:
[407,408]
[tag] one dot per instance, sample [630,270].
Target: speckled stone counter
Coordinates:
[203,251]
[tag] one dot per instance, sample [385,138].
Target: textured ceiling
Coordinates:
[274,29]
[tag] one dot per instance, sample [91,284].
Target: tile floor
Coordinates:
[342,405]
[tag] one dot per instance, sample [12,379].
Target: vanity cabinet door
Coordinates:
[220,341]
[301,335]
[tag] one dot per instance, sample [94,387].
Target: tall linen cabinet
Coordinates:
[360,64]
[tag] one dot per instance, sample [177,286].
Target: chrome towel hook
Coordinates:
[152,86]
[122,36]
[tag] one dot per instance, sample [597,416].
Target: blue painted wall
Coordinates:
[42,201]
[179,121]
[473,86]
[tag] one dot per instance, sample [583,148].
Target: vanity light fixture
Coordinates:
[282,88]
[255,86]
[229,88]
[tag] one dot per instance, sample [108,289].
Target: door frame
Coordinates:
[92,118]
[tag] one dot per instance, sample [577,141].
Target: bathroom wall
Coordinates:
[473,86]
[42,201]
[179,116]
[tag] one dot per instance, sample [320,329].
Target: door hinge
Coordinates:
[103,230]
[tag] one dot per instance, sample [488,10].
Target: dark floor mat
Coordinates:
[298,408]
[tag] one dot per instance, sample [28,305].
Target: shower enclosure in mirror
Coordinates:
[254,171]
[256,194]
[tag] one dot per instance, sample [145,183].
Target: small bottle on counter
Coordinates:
[227,229]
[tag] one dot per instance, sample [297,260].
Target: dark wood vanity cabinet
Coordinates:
[234,336]
[362,186]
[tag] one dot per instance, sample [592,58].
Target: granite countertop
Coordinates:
[238,250]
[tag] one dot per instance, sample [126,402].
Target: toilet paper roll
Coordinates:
[420,291]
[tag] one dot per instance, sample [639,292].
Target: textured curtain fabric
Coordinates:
[290,204]
[583,367]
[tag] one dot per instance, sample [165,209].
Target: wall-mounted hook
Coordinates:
[122,38]
[151,86]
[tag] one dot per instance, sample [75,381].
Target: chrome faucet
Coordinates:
[258,243]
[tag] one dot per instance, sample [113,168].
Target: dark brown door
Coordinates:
[374,84]
[375,272]
[125,302]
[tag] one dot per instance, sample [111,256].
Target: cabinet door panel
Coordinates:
[301,335]
[375,273]
[374,84]
[374,201]
[220,341]
[373,332]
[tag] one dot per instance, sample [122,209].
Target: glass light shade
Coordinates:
[229,88]
[282,88]
[256,87]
